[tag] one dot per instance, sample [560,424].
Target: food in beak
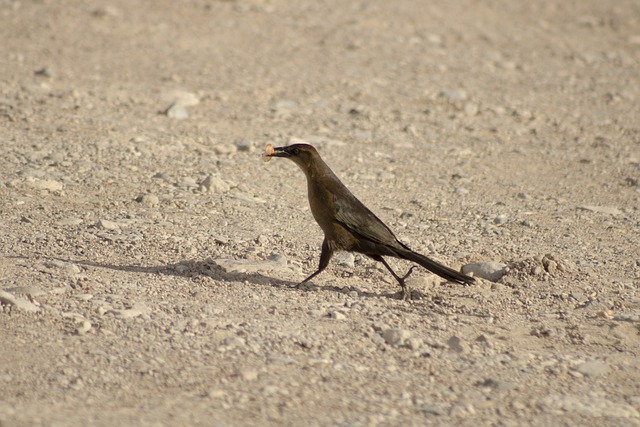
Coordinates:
[268,152]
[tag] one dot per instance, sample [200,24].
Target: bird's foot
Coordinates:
[405,293]
[304,285]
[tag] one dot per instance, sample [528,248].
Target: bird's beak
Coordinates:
[280,152]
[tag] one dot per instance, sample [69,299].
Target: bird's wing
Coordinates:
[352,214]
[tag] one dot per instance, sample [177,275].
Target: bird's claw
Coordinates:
[405,294]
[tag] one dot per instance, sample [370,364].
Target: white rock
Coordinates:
[492,271]
[176,111]
[214,184]
[107,225]
[337,315]
[84,327]
[345,259]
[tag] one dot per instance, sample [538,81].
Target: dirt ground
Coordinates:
[147,251]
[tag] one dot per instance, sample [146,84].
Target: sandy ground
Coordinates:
[146,251]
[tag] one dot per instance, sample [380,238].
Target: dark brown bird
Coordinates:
[348,224]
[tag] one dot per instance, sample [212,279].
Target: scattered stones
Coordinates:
[88,175]
[492,271]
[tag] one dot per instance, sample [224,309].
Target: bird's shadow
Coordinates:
[208,268]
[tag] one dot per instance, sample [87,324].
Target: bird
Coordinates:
[348,225]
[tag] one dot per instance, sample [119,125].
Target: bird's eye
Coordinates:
[296,151]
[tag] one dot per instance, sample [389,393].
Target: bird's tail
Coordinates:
[435,267]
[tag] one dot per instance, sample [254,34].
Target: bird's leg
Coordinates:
[325,257]
[406,276]
[406,293]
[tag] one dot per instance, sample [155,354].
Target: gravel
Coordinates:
[148,255]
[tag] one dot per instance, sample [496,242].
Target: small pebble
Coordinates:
[148,199]
[176,111]
[214,184]
[84,327]
[107,225]
[395,336]
[345,259]
[500,219]
[457,345]
[337,315]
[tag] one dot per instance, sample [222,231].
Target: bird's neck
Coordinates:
[318,170]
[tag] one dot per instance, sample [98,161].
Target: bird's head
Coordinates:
[301,154]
